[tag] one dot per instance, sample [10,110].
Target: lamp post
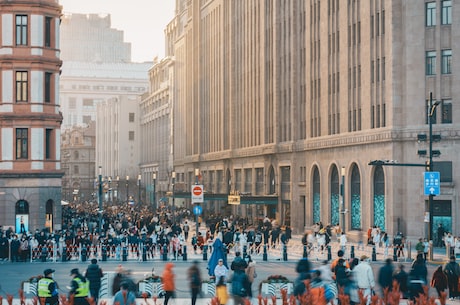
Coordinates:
[173,176]
[118,184]
[154,180]
[110,189]
[342,192]
[100,200]
[197,173]
[127,189]
[139,177]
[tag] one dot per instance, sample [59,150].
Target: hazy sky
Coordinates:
[143,22]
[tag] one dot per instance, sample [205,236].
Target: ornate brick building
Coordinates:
[30,118]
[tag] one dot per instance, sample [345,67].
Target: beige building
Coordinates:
[287,102]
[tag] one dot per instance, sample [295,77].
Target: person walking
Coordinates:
[385,275]
[251,273]
[47,289]
[94,274]
[194,275]
[221,291]
[439,281]
[168,282]
[417,277]
[452,271]
[364,277]
[79,288]
[240,284]
[124,296]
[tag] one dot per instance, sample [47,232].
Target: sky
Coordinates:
[143,22]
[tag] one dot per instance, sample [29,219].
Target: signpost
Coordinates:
[431,183]
[197,193]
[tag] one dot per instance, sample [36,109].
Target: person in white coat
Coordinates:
[364,277]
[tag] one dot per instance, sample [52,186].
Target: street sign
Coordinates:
[197,193]
[234,199]
[197,210]
[432,183]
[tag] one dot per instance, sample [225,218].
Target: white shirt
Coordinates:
[364,275]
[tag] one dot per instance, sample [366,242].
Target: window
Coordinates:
[22,139]
[446,57]
[48,143]
[131,136]
[430,63]
[22,85]
[48,87]
[48,21]
[76,170]
[88,103]
[131,117]
[21,30]
[446,12]
[446,109]
[72,103]
[430,13]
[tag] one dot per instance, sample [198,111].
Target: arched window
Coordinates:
[22,207]
[379,198]
[355,199]
[316,196]
[334,196]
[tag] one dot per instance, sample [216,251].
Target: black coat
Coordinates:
[385,276]
[94,275]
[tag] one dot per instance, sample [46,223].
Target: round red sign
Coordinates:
[197,191]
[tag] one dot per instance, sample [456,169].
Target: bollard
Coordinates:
[83,254]
[205,252]
[395,254]
[144,253]
[124,255]
[409,250]
[264,255]
[329,254]
[165,253]
[305,253]
[448,250]
[285,256]
[64,254]
[352,252]
[104,253]
[44,254]
[245,251]
[374,254]
[184,253]
[431,250]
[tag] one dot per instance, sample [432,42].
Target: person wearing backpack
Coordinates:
[195,281]
[452,271]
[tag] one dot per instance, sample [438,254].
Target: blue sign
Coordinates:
[197,210]
[432,183]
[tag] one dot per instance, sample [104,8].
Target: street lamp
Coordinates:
[173,176]
[154,180]
[139,177]
[110,189]
[118,184]
[127,189]
[100,200]
[342,192]
[197,173]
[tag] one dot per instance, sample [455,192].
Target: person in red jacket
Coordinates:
[168,282]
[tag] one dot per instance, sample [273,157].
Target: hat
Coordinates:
[221,260]
[74,271]
[48,271]
[364,257]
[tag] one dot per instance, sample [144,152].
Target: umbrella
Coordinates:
[218,252]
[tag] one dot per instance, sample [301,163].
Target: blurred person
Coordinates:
[386,275]
[452,271]
[94,274]
[124,296]
[251,273]
[47,289]
[194,275]
[79,288]
[439,280]
[169,286]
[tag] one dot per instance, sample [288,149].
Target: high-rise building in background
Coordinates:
[30,117]
[287,102]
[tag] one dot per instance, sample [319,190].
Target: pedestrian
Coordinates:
[47,289]
[417,277]
[398,243]
[364,277]
[401,277]
[452,271]
[343,242]
[168,282]
[221,290]
[238,262]
[419,247]
[124,296]
[79,288]
[426,248]
[240,284]
[94,274]
[221,271]
[439,281]
[195,280]
[251,273]
[386,275]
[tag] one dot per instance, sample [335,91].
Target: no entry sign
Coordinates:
[197,193]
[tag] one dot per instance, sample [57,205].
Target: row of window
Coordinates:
[22,143]
[22,30]
[446,13]
[446,62]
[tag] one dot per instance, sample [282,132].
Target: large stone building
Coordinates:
[30,117]
[288,101]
